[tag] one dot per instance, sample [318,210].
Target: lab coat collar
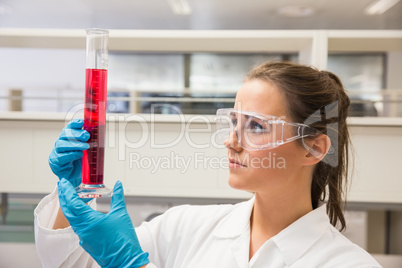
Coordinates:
[236,222]
[298,237]
[236,226]
[292,241]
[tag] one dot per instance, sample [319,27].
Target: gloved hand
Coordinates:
[109,238]
[65,160]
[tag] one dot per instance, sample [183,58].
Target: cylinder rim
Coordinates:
[97,31]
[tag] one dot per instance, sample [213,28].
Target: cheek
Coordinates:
[267,167]
[277,162]
[268,161]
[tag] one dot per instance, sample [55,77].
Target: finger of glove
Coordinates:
[118,201]
[75,123]
[59,161]
[74,221]
[71,202]
[62,146]
[79,223]
[72,171]
[76,174]
[74,134]
[63,205]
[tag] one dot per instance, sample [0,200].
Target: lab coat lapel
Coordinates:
[268,255]
[240,248]
[236,226]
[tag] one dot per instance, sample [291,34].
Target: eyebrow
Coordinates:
[246,116]
[235,114]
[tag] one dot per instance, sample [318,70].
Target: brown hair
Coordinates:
[316,98]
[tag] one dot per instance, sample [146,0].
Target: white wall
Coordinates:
[41,72]
[28,142]
[35,68]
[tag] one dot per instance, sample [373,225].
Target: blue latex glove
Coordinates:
[109,238]
[65,160]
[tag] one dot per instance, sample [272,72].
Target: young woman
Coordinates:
[292,112]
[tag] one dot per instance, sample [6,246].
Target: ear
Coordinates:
[317,149]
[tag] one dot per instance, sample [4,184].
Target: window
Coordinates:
[196,83]
[363,77]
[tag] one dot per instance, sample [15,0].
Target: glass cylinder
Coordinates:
[95,114]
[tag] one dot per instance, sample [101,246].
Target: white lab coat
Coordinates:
[210,236]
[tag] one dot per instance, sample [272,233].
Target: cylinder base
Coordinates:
[93,191]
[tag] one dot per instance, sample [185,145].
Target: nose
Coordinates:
[233,141]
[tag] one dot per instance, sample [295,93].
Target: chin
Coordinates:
[238,183]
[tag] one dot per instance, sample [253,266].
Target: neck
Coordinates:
[274,211]
[272,216]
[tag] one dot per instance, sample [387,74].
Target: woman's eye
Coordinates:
[255,127]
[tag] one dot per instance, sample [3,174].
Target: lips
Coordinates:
[235,164]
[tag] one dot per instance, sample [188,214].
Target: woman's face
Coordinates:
[270,169]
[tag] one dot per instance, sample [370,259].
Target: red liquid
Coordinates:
[94,123]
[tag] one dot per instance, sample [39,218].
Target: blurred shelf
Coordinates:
[209,41]
[364,40]
[163,40]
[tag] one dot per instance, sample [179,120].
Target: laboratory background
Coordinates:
[172,64]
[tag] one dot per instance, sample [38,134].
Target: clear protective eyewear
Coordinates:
[256,131]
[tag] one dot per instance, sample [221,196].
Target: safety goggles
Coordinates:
[256,131]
